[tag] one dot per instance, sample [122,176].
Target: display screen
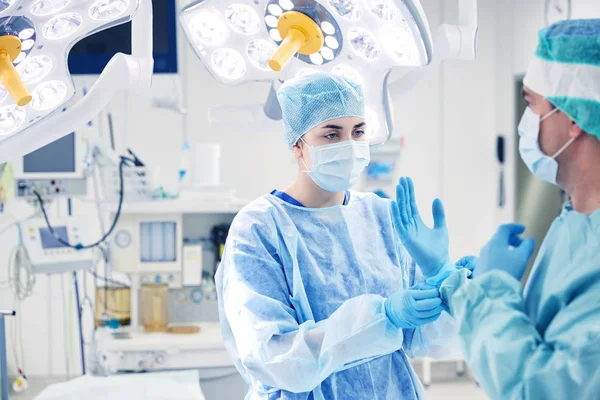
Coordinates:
[49,241]
[90,55]
[57,157]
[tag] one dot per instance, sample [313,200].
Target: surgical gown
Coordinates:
[543,343]
[301,301]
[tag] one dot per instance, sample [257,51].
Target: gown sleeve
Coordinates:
[509,356]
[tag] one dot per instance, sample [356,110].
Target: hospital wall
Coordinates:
[449,123]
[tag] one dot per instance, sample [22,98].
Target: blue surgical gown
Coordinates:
[301,301]
[543,342]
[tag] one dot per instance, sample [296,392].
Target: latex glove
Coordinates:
[412,308]
[468,262]
[427,247]
[507,251]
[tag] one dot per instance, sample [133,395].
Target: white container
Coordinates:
[207,164]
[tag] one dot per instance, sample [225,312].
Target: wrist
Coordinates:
[442,273]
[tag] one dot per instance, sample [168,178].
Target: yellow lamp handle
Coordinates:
[294,40]
[12,81]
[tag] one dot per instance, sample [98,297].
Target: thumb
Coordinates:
[526,248]
[439,215]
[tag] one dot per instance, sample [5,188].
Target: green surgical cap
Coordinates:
[566,70]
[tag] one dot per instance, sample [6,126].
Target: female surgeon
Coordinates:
[317,295]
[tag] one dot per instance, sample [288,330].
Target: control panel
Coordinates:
[172,278]
[49,255]
[51,187]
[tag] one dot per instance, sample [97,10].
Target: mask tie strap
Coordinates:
[559,152]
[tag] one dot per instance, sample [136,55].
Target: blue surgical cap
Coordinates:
[566,70]
[308,101]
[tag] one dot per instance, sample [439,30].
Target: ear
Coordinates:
[575,130]
[297,150]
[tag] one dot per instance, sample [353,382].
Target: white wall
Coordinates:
[449,123]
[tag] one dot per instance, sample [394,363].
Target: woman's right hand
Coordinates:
[411,308]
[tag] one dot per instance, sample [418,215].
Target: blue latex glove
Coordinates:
[427,247]
[412,308]
[468,262]
[507,252]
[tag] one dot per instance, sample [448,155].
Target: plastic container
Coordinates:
[155,307]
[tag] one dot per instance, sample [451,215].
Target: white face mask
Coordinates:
[337,167]
[541,165]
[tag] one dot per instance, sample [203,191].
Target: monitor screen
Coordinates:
[49,241]
[57,157]
[90,55]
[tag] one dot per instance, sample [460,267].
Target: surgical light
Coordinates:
[35,39]
[360,39]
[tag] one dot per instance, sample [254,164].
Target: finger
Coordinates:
[429,320]
[428,304]
[527,248]
[400,203]
[439,214]
[505,231]
[406,190]
[430,313]
[468,262]
[424,294]
[515,240]
[397,220]
[413,201]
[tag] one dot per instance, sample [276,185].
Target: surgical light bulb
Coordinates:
[27,44]
[328,27]
[347,72]
[327,53]
[206,28]
[271,21]
[316,59]
[275,10]
[228,63]
[286,4]
[48,95]
[26,33]
[41,8]
[275,35]
[398,43]
[243,19]
[383,9]
[332,42]
[364,43]
[260,52]
[62,25]
[103,10]
[11,119]
[346,8]
[5,4]
[35,68]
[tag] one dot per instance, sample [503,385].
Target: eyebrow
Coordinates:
[337,127]
[360,125]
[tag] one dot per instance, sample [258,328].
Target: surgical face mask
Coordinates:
[541,165]
[337,167]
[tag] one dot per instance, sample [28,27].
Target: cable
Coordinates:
[20,270]
[79,246]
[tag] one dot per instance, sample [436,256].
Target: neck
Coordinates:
[311,195]
[582,179]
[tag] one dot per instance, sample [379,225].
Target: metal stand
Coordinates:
[3,363]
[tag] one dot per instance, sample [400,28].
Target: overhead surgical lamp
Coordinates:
[275,40]
[35,39]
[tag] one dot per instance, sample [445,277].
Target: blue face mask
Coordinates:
[541,165]
[337,167]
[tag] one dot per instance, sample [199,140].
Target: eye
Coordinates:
[332,135]
[358,133]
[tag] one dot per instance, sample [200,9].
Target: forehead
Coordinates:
[344,122]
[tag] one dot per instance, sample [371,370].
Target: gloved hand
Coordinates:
[412,308]
[507,251]
[427,247]
[468,262]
